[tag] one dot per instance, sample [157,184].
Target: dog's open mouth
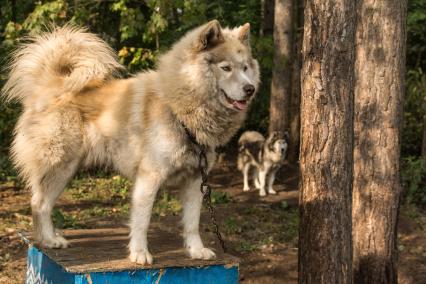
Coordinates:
[238,105]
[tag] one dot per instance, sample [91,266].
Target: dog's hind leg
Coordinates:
[46,189]
[246,170]
[192,200]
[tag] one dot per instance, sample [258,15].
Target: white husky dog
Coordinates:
[265,155]
[76,114]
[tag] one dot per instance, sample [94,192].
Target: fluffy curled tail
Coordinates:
[62,61]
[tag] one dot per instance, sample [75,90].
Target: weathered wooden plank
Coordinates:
[105,250]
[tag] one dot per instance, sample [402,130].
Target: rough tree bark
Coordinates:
[326,160]
[281,72]
[293,148]
[379,89]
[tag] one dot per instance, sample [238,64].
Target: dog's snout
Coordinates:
[249,89]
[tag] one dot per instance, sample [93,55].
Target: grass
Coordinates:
[260,226]
[220,197]
[87,201]
[64,220]
[253,227]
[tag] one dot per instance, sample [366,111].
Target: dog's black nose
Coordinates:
[249,90]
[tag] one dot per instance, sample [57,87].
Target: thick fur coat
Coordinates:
[77,113]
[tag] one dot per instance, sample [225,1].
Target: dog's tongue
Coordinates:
[240,105]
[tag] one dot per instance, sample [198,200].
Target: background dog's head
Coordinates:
[276,145]
[215,64]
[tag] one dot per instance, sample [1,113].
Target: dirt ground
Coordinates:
[262,232]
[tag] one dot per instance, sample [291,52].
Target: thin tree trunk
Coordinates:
[325,247]
[267,17]
[13,8]
[293,152]
[379,73]
[281,73]
[424,138]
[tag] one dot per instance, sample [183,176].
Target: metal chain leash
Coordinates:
[206,191]
[204,187]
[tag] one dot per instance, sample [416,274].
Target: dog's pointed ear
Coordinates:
[274,135]
[244,34]
[210,36]
[286,135]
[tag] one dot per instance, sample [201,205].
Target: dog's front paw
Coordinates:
[55,242]
[262,192]
[201,253]
[272,191]
[141,257]
[246,188]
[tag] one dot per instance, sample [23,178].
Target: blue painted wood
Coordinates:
[43,270]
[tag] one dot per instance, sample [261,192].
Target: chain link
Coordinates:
[206,191]
[204,187]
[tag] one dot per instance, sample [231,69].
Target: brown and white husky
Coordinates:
[266,156]
[77,113]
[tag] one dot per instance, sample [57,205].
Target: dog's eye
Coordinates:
[245,68]
[226,68]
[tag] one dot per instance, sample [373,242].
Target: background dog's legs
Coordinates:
[262,181]
[246,177]
[45,192]
[146,187]
[271,179]
[256,178]
[192,201]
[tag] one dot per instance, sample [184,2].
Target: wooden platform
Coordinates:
[103,252]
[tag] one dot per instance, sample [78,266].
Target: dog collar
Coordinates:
[192,137]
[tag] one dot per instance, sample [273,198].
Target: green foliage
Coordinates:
[414,179]
[231,226]
[413,167]
[220,197]
[46,14]
[166,205]
[414,112]
[284,205]
[246,246]
[8,117]
[64,220]
[414,104]
[263,50]
[137,58]
[416,35]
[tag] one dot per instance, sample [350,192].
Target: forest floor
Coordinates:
[262,232]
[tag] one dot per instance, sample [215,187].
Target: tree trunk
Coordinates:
[424,138]
[379,89]
[267,17]
[281,73]
[294,143]
[13,8]
[326,160]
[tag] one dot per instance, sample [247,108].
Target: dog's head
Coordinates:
[235,70]
[277,145]
[217,64]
